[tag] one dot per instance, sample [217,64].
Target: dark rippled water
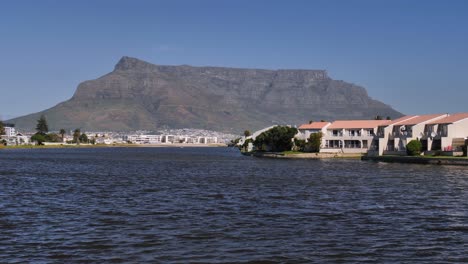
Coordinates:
[214,205]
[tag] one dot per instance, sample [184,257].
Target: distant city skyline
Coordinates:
[411,55]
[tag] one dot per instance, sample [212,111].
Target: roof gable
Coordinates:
[421,119]
[314,125]
[450,119]
[346,124]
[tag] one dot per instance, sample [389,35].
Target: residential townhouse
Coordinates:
[447,134]
[305,130]
[385,133]
[351,136]
[401,131]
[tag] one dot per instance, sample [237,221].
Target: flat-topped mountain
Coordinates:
[138,95]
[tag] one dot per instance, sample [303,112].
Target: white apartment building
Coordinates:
[10,130]
[400,132]
[305,130]
[447,134]
[143,139]
[351,136]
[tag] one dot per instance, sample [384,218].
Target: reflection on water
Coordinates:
[214,205]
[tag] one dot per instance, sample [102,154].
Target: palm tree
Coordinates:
[62,132]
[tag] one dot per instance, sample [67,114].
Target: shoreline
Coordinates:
[313,156]
[57,146]
[461,161]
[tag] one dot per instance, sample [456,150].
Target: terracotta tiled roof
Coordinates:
[314,125]
[450,119]
[401,119]
[420,119]
[358,124]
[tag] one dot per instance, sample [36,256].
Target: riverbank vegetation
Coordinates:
[282,139]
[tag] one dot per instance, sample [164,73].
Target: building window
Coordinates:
[370,132]
[354,133]
[333,144]
[352,144]
[337,133]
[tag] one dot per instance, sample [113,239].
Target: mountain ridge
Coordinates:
[138,95]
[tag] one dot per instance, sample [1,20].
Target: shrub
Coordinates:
[315,142]
[278,139]
[51,137]
[39,138]
[414,148]
[299,144]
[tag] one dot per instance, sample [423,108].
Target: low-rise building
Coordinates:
[351,136]
[143,139]
[402,132]
[10,130]
[305,130]
[447,134]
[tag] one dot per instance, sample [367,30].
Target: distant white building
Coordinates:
[10,130]
[143,139]
[207,140]
[103,140]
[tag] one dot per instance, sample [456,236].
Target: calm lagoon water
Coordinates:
[212,205]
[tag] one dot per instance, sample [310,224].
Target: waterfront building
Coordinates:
[103,140]
[351,136]
[305,130]
[448,134]
[168,139]
[208,140]
[401,131]
[385,133]
[143,139]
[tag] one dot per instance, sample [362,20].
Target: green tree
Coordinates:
[62,133]
[52,137]
[76,136]
[315,142]
[42,127]
[84,138]
[299,144]
[39,138]
[389,118]
[278,138]
[2,128]
[247,133]
[414,148]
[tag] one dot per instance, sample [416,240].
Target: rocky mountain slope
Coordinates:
[140,95]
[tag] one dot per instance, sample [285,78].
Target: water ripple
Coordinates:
[204,205]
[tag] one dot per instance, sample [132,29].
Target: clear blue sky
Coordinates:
[413,55]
